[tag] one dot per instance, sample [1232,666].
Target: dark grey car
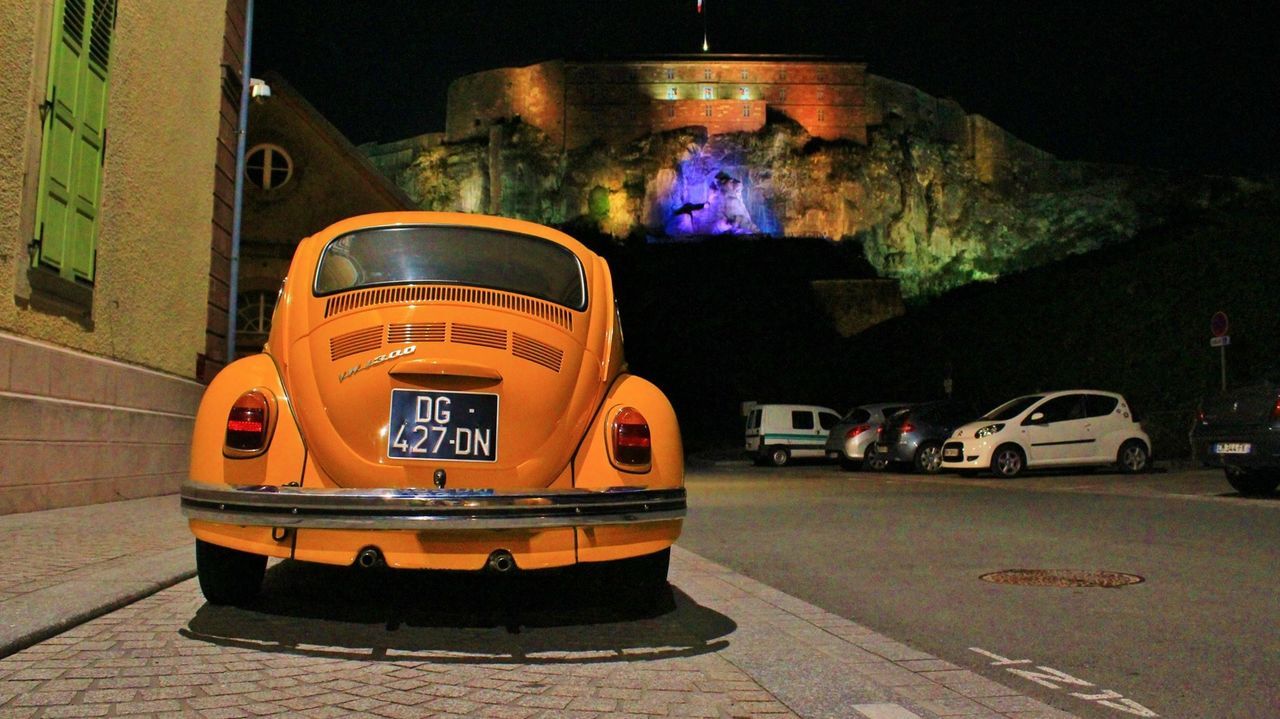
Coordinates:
[914,436]
[1239,431]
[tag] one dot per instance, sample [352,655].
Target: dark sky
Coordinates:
[1165,84]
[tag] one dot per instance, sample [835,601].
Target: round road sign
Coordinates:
[1218,325]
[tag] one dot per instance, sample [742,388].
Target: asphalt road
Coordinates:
[902,554]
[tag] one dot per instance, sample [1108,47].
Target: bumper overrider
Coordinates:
[428,509]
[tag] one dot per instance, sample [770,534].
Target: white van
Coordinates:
[778,432]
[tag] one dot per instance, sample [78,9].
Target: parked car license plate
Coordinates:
[951,453]
[460,426]
[1232,448]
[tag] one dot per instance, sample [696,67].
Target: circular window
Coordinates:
[253,311]
[268,166]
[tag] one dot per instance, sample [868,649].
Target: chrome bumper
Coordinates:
[428,509]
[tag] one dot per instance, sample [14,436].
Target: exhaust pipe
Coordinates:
[501,561]
[368,558]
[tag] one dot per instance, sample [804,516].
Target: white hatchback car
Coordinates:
[1054,429]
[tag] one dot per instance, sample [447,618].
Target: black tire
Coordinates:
[1008,461]
[1133,457]
[873,462]
[928,459]
[778,456]
[228,576]
[1253,483]
[641,582]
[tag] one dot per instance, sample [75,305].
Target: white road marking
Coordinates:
[1054,678]
[884,711]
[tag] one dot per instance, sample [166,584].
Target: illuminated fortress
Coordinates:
[579,102]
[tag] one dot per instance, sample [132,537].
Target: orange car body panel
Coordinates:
[329,368]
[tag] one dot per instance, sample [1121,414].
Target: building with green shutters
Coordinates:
[117,139]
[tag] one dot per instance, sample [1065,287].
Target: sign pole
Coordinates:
[1222,352]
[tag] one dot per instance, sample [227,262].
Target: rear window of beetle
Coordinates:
[472,256]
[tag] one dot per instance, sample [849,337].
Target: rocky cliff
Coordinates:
[936,198]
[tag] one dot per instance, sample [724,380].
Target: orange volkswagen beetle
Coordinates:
[442,391]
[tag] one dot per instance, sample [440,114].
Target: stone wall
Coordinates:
[577,103]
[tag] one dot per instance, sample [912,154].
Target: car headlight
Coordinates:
[988,430]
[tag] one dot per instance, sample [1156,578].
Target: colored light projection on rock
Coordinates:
[706,197]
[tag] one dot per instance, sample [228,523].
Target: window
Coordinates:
[827,420]
[782,93]
[782,74]
[706,110]
[71,153]
[671,110]
[671,93]
[822,115]
[671,74]
[1099,405]
[753,419]
[802,419]
[745,75]
[706,74]
[253,311]
[857,415]
[408,254]
[707,93]
[268,166]
[744,93]
[1063,408]
[746,111]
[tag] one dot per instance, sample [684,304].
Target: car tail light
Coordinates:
[629,436]
[907,427]
[248,424]
[855,431]
[1275,411]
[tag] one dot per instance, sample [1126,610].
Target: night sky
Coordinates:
[1164,84]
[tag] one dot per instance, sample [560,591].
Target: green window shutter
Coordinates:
[74,138]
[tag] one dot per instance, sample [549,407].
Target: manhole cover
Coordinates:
[1060,578]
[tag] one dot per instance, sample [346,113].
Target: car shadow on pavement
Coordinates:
[572,615]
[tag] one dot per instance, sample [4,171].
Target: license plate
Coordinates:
[952,453]
[1232,448]
[882,449]
[459,426]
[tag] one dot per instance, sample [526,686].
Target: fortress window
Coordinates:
[744,93]
[706,74]
[746,110]
[782,93]
[671,93]
[671,74]
[782,74]
[706,93]
[671,110]
[822,115]
[706,110]
[745,75]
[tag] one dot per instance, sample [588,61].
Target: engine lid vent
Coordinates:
[477,335]
[356,299]
[345,345]
[422,332]
[536,351]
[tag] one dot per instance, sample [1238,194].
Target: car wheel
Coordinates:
[1008,461]
[1253,484]
[228,576]
[1133,457]
[779,456]
[641,582]
[928,459]
[873,461]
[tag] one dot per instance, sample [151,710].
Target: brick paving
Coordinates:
[335,642]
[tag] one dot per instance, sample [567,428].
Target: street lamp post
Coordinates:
[237,209]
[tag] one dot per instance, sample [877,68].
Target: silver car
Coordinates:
[853,440]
